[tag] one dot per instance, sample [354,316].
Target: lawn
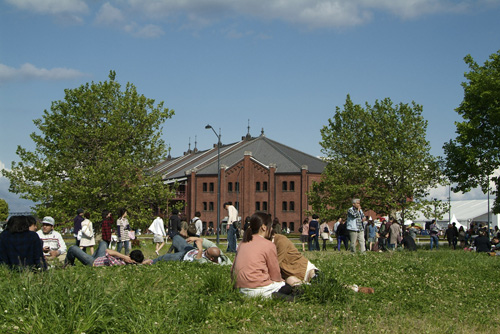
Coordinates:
[441,291]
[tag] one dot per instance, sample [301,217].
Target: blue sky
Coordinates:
[283,65]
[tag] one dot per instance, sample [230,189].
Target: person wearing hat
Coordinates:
[53,243]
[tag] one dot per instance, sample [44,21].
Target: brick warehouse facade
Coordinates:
[257,174]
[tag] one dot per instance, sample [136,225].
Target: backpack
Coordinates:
[192,227]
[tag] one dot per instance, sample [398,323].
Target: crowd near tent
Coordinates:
[462,213]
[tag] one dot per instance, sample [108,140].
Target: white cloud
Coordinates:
[52,7]
[145,16]
[149,31]
[109,15]
[30,72]
[310,13]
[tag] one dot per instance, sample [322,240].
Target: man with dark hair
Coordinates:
[434,231]
[104,257]
[107,222]
[314,233]
[174,227]
[197,223]
[232,220]
[77,224]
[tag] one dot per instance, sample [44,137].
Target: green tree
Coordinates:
[474,154]
[94,151]
[434,208]
[4,210]
[378,154]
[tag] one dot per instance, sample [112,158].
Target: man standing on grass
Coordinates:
[174,226]
[434,230]
[314,233]
[354,226]
[232,219]
[198,223]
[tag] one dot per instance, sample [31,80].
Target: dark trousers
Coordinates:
[313,243]
[344,239]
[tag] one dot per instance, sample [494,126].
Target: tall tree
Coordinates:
[378,154]
[474,154]
[94,151]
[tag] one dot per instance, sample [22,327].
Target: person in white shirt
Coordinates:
[198,223]
[53,243]
[232,217]
[158,228]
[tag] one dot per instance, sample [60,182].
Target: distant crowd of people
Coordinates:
[266,264]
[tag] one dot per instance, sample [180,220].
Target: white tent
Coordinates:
[465,212]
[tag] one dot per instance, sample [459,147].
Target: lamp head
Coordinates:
[208,126]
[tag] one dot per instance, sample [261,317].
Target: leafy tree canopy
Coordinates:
[474,154]
[377,153]
[4,210]
[93,151]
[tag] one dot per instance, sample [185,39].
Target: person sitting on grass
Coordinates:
[204,252]
[256,270]
[53,243]
[19,246]
[104,257]
[482,242]
[295,268]
[408,242]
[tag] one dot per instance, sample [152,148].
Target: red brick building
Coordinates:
[257,174]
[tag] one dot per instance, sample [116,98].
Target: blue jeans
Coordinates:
[340,239]
[313,243]
[181,248]
[231,239]
[120,245]
[74,252]
[434,240]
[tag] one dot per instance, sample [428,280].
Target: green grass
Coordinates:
[441,291]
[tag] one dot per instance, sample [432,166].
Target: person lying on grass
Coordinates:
[104,257]
[204,252]
[295,268]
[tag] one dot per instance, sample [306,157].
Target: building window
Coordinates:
[205,207]
[237,205]
[257,186]
[291,207]
[292,186]
[211,187]
[264,186]
[230,187]
[211,206]
[257,206]
[284,186]
[292,227]
[205,187]
[264,206]
[237,186]
[284,206]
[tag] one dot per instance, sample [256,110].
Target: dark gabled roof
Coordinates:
[264,150]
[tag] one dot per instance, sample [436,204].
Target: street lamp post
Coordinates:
[208,126]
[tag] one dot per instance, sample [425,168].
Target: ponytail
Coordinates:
[256,221]
[248,235]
